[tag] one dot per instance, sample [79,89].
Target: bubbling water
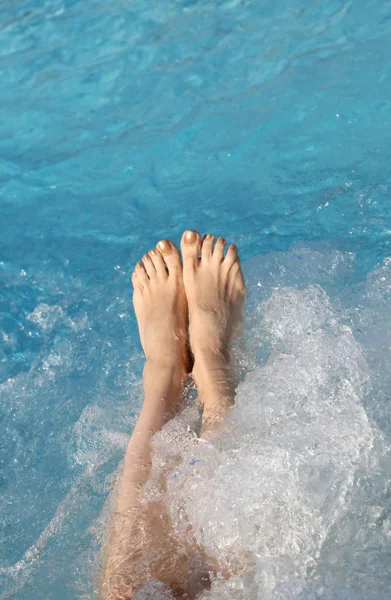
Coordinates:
[292,497]
[294,474]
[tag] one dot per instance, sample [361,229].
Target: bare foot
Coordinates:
[141,543]
[215,291]
[161,307]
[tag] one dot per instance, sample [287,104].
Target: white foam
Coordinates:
[265,496]
[291,497]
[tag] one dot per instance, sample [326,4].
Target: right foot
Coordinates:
[215,291]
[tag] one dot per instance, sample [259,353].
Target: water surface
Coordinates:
[267,123]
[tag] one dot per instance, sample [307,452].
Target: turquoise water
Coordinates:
[267,123]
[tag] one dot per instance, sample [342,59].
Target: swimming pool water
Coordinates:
[268,123]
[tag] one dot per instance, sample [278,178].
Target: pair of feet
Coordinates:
[201,300]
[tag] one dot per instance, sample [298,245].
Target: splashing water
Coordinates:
[266,123]
[292,496]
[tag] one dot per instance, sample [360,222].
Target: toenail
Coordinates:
[145,257]
[164,247]
[209,236]
[222,240]
[153,252]
[190,237]
[234,247]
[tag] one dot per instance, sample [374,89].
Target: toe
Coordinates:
[240,283]
[191,247]
[149,266]
[218,252]
[142,274]
[207,245]
[233,273]
[136,282]
[171,256]
[236,284]
[230,257]
[158,262]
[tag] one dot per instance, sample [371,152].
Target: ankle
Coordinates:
[166,368]
[205,352]
[215,383]
[207,334]
[164,358]
[211,363]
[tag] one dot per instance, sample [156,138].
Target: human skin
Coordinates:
[207,291]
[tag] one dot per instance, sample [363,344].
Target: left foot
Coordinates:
[161,307]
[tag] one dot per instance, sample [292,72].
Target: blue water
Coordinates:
[125,122]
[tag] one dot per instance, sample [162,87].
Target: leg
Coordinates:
[141,543]
[215,293]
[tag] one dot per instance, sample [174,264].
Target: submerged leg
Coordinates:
[215,291]
[141,543]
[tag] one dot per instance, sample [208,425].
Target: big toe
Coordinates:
[191,247]
[170,254]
